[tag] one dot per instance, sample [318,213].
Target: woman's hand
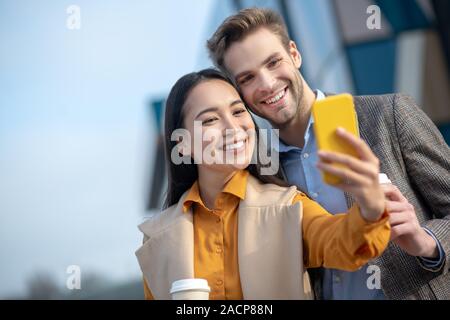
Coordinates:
[359,176]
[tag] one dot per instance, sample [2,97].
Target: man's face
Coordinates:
[267,75]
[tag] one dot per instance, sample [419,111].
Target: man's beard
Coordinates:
[299,104]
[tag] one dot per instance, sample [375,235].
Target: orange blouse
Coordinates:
[216,237]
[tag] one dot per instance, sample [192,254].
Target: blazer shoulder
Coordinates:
[382,109]
[375,101]
[384,101]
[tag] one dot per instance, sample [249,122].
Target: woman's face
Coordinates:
[221,129]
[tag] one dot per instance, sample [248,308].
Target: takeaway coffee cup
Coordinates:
[190,289]
[383,179]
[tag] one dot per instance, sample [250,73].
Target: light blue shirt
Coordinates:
[299,165]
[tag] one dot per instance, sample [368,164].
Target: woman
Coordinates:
[247,234]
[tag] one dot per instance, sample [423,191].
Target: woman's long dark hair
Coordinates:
[182,176]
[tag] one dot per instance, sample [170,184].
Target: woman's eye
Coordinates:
[238,112]
[208,121]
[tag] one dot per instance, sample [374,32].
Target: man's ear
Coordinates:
[295,54]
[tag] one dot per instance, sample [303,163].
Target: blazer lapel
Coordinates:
[270,251]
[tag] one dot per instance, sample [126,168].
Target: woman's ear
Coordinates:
[295,54]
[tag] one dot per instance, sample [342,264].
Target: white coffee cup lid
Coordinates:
[383,178]
[190,284]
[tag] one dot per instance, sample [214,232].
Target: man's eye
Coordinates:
[245,79]
[274,63]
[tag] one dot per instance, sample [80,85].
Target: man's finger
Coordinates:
[400,230]
[392,192]
[396,206]
[397,218]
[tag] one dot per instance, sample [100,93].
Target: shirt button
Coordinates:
[306,155]
[219,282]
[337,279]
[315,195]
[219,250]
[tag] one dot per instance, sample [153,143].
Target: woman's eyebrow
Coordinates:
[235,102]
[206,110]
[212,109]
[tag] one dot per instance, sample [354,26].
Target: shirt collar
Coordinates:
[237,186]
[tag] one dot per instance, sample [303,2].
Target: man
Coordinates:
[254,49]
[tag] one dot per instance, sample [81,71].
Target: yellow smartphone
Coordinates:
[329,114]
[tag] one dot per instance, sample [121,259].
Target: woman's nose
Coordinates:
[231,124]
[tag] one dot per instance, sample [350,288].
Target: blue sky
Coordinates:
[75,130]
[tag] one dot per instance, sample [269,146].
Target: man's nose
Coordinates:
[266,82]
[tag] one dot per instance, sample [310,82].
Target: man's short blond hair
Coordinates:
[236,27]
